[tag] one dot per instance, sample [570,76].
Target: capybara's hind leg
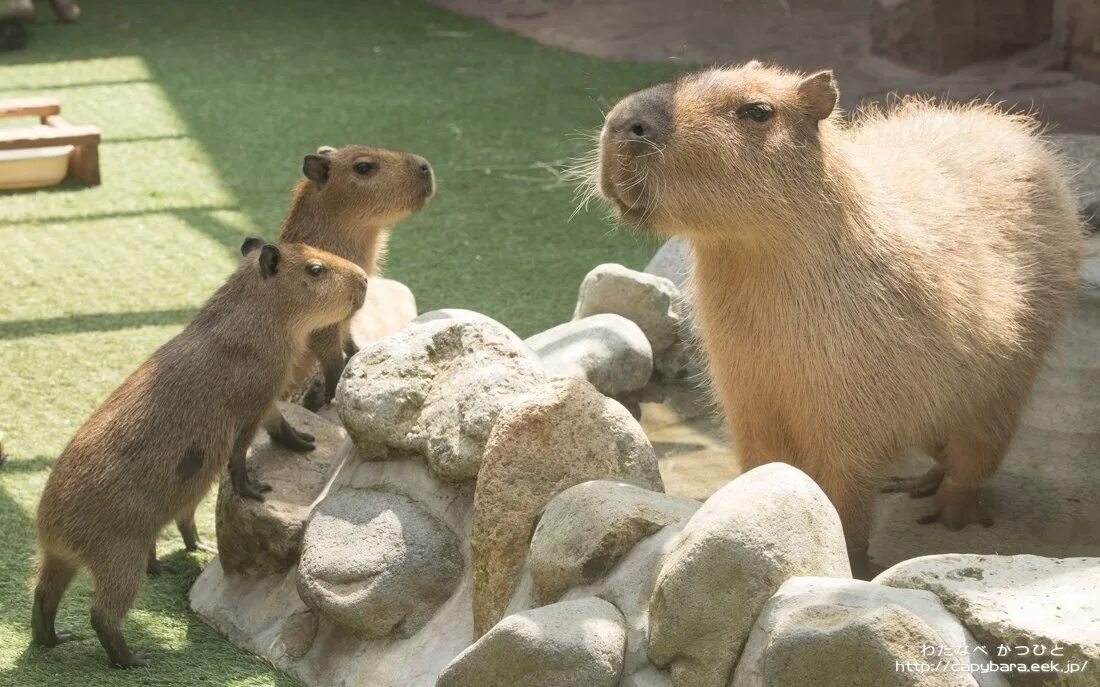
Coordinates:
[969,459]
[190,534]
[852,496]
[155,566]
[282,433]
[54,576]
[920,486]
[118,578]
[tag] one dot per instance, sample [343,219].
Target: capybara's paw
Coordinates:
[254,489]
[957,507]
[918,486]
[202,545]
[294,440]
[62,636]
[138,659]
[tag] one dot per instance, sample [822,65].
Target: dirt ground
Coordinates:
[804,34]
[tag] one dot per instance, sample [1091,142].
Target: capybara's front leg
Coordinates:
[326,345]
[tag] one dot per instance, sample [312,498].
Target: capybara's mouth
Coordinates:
[624,185]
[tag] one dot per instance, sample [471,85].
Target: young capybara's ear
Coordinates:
[325,150]
[269,260]
[316,167]
[818,94]
[250,244]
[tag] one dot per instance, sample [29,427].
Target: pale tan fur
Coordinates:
[862,288]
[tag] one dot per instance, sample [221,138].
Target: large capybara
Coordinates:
[152,450]
[862,287]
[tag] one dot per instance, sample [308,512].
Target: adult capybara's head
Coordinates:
[382,185]
[713,148]
[315,287]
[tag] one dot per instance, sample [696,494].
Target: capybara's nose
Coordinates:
[643,117]
[422,166]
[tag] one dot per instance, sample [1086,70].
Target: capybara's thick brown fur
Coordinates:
[346,203]
[150,453]
[862,287]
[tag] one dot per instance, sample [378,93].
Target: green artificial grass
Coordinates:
[207,109]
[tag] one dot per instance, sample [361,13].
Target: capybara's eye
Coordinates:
[366,168]
[757,112]
[315,269]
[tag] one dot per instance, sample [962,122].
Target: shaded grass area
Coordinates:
[207,108]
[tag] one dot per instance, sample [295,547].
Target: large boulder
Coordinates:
[609,351]
[768,525]
[568,644]
[649,301]
[827,631]
[586,529]
[565,434]
[435,390]
[258,537]
[377,563]
[1017,602]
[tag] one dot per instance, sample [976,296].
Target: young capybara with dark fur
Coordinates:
[862,288]
[346,203]
[152,450]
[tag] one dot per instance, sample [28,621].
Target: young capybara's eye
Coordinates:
[757,112]
[315,269]
[366,168]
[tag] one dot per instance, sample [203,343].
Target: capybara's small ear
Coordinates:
[250,244]
[316,167]
[325,150]
[818,94]
[269,260]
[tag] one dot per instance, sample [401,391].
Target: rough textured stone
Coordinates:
[1077,36]
[673,262]
[768,525]
[565,434]
[435,390]
[943,35]
[1083,153]
[264,537]
[586,529]
[568,644]
[1017,601]
[649,301]
[377,563]
[609,351]
[827,631]
[390,305]
[465,316]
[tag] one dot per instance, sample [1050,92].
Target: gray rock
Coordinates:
[673,262]
[827,631]
[1083,153]
[568,644]
[463,315]
[649,301]
[609,351]
[1018,601]
[587,528]
[262,537]
[768,525]
[565,434]
[435,390]
[377,563]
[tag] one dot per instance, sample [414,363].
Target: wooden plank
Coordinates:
[84,164]
[41,137]
[30,107]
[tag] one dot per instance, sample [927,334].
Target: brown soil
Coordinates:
[803,34]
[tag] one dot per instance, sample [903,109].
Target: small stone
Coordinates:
[389,306]
[298,633]
[649,301]
[1017,601]
[586,529]
[673,261]
[565,434]
[377,563]
[256,537]
[768,525]
[827,631]
[435,390]
[568,644]
[609,351]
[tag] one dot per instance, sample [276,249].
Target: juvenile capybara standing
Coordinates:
[346,203]
[862,288]
[152,450]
